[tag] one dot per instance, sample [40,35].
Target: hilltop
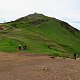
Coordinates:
[41,34]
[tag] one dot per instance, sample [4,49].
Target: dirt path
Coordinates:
[19,66]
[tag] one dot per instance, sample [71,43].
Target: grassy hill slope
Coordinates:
[41,34]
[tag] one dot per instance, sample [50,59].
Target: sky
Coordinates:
[66,10]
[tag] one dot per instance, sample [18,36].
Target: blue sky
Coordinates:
[66,10]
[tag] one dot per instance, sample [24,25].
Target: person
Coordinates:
[75,56]
[24,47]
[19,47]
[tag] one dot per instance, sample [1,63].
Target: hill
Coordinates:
[41,34]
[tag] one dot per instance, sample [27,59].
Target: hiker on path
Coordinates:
[75,56]
[19,47]
[24,47]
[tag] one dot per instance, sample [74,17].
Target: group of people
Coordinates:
[22,48]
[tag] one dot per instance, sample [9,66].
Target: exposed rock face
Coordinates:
[2,27]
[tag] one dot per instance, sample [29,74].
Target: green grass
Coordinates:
[37,32]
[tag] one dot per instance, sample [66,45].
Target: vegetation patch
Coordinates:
[41,34]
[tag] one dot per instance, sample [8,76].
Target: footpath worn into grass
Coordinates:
[21,66]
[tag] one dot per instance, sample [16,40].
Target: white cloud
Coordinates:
[74,21]
[13,9]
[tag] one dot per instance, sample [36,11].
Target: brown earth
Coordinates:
[1,28]
[25,66]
